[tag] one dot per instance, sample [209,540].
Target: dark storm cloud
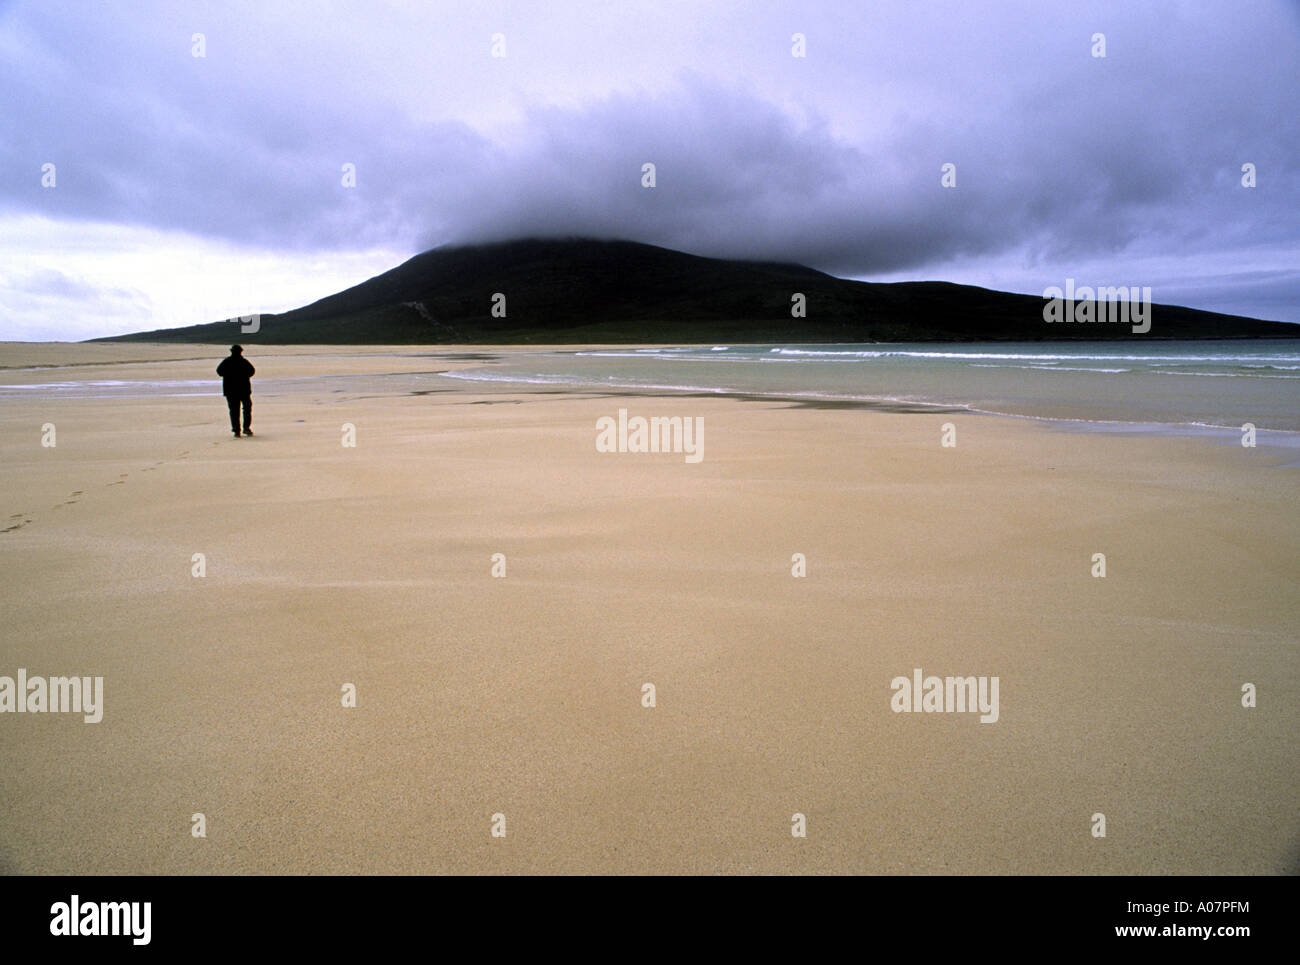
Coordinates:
[1059,155]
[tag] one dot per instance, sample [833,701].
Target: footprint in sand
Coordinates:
[23,520]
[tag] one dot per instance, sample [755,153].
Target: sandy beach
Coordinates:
[522,695]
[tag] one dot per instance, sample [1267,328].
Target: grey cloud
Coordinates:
[51,283]
[1059,156]
[80,306]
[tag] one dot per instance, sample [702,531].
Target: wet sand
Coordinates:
[522,695]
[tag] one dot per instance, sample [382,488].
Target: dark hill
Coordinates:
[622,291]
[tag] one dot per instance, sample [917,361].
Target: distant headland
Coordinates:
[587,291]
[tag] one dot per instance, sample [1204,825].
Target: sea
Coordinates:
[1194,385]
[1206,388]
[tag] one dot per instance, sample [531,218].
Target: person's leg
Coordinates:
[248,415]
[232,403]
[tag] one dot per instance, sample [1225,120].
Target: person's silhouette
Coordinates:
[235,372]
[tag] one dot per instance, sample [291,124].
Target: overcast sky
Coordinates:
[191,188]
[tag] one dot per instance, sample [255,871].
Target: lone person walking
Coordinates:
[235,372]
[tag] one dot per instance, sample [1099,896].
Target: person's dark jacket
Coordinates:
[235,372]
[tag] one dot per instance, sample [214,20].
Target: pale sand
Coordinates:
[521,695]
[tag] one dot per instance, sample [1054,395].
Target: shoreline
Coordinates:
[463,361]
